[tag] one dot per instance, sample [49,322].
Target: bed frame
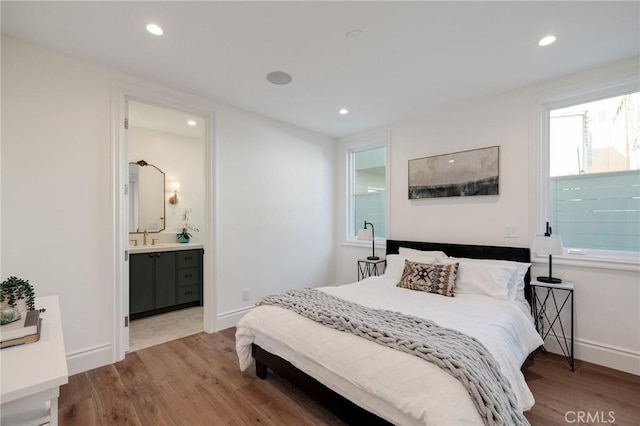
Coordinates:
[338,404]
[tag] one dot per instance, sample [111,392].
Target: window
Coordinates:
[367,192]
[594,174]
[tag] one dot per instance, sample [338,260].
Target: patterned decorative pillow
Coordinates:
[429,277]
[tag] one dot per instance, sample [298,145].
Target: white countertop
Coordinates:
[164,247]
[38,366]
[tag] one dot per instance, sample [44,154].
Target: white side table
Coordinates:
[543,295]
[33,373]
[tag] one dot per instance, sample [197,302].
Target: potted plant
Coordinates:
[16,296]
[184,236]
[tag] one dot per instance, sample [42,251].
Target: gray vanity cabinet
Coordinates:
[189,276]
[163,281]
[141,283]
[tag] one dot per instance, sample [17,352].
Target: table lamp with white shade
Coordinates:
[550,245]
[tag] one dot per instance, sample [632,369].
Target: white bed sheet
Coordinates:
[399,387]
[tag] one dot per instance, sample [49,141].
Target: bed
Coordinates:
[363,381]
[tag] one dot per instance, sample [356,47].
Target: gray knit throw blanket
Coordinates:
[461,356]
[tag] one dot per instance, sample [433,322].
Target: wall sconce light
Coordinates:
[548,244]
[175,188]
[368,235]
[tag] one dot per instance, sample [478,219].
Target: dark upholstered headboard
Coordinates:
[516,254]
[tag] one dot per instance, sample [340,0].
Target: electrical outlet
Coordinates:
[511,231]
[245,294]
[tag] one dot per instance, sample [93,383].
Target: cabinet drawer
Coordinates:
[188,294]
[188,258]
[188,276]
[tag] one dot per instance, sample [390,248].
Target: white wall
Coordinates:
[275,225]
[275,197]
[181,159]
[607,307]
[56,189]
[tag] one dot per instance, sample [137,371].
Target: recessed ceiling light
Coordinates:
[452,161]
[154,29]
[344,111]
[279,77]
[191,122]
[545,41]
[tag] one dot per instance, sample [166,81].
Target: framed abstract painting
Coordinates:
[459,174]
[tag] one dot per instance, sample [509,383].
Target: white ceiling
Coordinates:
[412,57]
[165,120]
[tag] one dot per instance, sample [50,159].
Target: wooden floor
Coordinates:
[196,381]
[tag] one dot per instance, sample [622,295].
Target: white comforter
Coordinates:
[399,387]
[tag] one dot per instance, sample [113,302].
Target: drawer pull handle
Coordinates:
[158,255]
[188,275]
[188,258]
[188,292]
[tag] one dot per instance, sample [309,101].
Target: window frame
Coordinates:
[352,147]
[586,91]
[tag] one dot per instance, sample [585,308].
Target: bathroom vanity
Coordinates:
[164,278]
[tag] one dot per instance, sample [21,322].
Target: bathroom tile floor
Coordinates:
[151,331]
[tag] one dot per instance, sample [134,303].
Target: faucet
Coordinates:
[145,237]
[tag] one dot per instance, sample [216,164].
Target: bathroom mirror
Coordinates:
[146,198]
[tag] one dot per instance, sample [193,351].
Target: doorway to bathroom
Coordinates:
[164,204]
[166,181]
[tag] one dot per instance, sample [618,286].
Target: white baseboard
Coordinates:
[598,353]
[231,318]
[97,356]
[89,358]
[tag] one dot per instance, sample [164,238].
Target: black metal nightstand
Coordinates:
[545,324]
[371,268]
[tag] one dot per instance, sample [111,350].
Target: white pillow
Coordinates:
[395,263]
[484,279]
[408,251]
[516,286]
